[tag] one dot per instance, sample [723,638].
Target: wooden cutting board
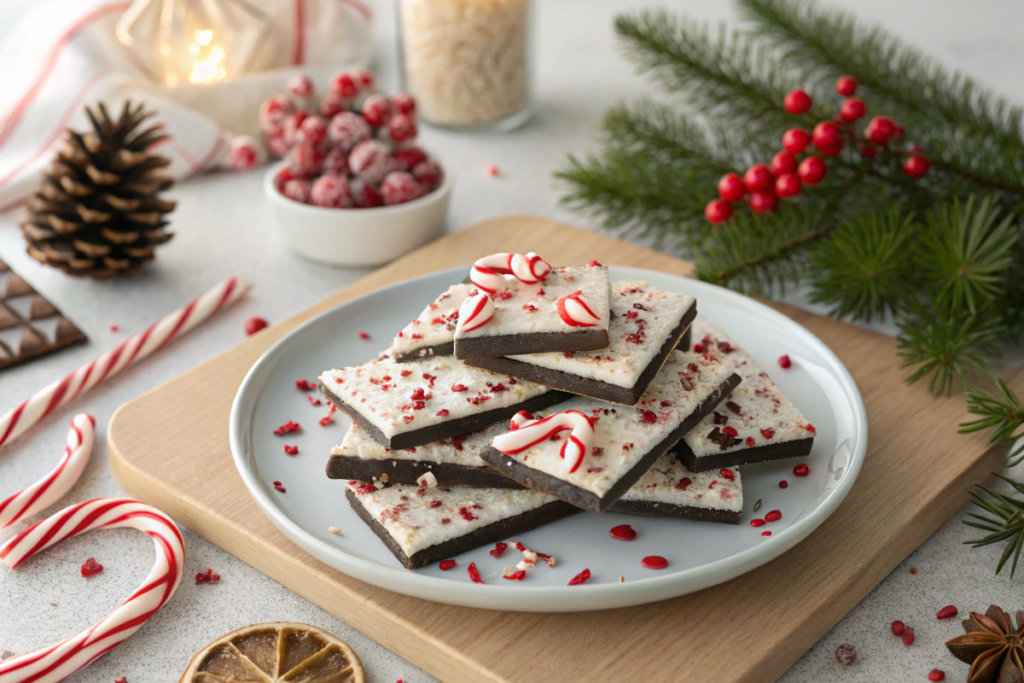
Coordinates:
[749,629]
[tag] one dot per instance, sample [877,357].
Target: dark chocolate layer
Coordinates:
[743,456]
[530,342]
[687,341]
[492,533]
[443,430]
[400,471]
[426,352]
[586,386]
[581,498]
[667,510]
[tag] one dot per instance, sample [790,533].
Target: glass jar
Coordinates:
[468,63]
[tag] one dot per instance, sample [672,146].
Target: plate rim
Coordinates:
[547,598]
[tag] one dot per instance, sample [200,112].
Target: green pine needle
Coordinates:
[1003,517]
[1003,414]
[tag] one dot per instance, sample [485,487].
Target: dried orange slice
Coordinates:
[275,652]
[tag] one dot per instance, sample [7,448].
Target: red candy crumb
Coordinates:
[115,328]
[443,412]
[304,385]
[314,401]
[287,428]
[515,576]
[773,516]
[582,577]
[623,532]
[649,416]
[291,450]
[474,573]
[810,428]
[326,420]
[898,627]
[499,550]
[729,431]
[783,484]
[757,522]
[683,483]
[254,325]
[908,636]
[594,263]
[122,679]
[726,473]
[947,612]
[433,503]
[280,488]
[785,362]
[458,387]
[936,675]
[768,433]
[766,533]
[654,562]
[491,170]
[447,564]
[207,577]
[91,568]
[801,470]
[750,441]
[364,335]
[366,488]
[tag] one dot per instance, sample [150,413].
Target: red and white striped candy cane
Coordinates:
[475,312]
[57,483]
[527,432]
[488,273]
[575,312]
[59,661]
[134,349]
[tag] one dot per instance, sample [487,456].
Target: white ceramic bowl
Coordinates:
[357,237]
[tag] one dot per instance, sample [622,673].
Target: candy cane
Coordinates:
[59,661]
[57,483]
[574,312]
[527,432]
[134,349]
[476,311]
[488,273]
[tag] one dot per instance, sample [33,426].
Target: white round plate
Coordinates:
[699,554]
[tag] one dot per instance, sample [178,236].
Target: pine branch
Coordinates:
[1004,521]
[1003,414]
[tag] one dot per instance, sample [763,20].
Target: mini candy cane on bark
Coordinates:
[475,312]
[134,349]
[59,661]
[574,312]
[488,273]
[527,432]
[57,483]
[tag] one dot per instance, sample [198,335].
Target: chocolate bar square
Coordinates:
[432,333]
[670,490]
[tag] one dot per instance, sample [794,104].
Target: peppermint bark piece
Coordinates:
[453,460]
[424,525]
[755,423]
[668,489]
[405,405]
[646,325]
[528,318]
[432,333]
[626,440]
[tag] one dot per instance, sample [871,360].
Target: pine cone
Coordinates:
[97,212]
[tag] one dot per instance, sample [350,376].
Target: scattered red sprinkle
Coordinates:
[443,412]
[277,483]
[699,348]
[458,387]
[122,679]
[757,522]
[499,550]
[784,361]
[584,575]
[783,484]
[623,532]
[314,401]
[474,573]
[491,170]
[801,470]
[515,576]
[726,473]
[908,636]
[766,533]
[434,503]
[649,416]
[291,450]
[207,577]
[936,675]
[898,627]
[729,431]
[90,568]
[115,328]
[287,428]
[326,420]
[947,612]
[773,516]
[810,428]
[594,263]
[768,433]
[447,564]
[280,488]
[364,335]
[254,325]
[654,562]
[304,384]
[366,488]
[750,441]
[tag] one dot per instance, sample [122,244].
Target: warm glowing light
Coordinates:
[204,37]
[209,69]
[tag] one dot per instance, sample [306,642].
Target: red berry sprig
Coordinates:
[763,186]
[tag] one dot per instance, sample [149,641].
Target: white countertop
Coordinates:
[222,228]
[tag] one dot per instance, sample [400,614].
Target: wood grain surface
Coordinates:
[749,629]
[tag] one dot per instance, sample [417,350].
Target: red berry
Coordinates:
[245,153]
[377,109]
[897,133]
[428,174]
[783,484]
[401,127]
[273,113]
[291,126]
[880,129]
[846,85]
[947,612]
[344,85]
[404,102]
[371,161]
[811,170]
[787,185]
[898,627]
[491,170]
[730,188]
[335,162]
[783,162]
[717,211]
[762,202]
[300,85]
[277,145]
[797,102]
[400,187]
[801,470]
[795,140]
[331,105]
[365,196]
[773,516]
[916,166]
[826,134]
[758,178]
[409,157]
[832,150]
[852,109]
[297,190]
[313,129]
[784,361]
[254,325]
[867,150]
[908,636]
[330,191]
[348,129]
[936,675]
[304,161]
[363,78]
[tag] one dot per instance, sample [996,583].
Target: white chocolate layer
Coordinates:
[417,522]
[435,325]
[756,409]
[405,397]
[642,317]
[624,435]
[520,308]
[668,481]
[455,450]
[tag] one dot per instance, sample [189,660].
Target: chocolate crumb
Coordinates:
[6,654]
[913,570]
[845,654]
[622,579]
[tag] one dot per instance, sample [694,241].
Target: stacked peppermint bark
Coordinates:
[532,393]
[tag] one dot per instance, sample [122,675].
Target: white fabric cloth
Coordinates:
[64,55]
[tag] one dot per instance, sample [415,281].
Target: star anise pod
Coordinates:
[993,648]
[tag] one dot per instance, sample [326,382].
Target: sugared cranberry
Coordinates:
[348,129]
[758,178]
[846,85]
[785,362]
[811,170]
[371,161]
[300,85]
[408,157]
[273,113]
[427,174]
[846,654]
[783,162]
[717,211]
[313,129]
[787,185]
[731,188]
[344,85]
[254,325]
[377,109]
[291,126]
[795,140]
[335,162]
[797,102]
[801,470]
[762,202]
[245,153]
[404,103]
[401,127]
[331,191]
[852,109]
[331,105]
[364,195]
[304,161]
[400,187]
[916,166]
[297,190]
